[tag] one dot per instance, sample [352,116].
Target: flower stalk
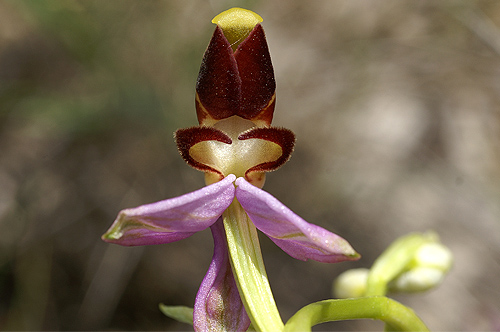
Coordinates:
[396,316]
[249,271]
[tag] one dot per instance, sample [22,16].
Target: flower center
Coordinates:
[241,155]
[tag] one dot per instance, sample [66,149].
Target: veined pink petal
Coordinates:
[291,233]
[172,219]
[218,305]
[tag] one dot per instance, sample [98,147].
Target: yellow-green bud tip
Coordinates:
[237,23]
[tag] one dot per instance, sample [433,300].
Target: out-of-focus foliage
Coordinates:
[396,107]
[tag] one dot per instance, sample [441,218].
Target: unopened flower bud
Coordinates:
[351,283]
[417,280]
[426,270]
[434,255]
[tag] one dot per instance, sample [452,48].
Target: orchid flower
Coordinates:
[235,145]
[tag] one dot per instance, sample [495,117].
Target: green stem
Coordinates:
[394,314]
[249,271]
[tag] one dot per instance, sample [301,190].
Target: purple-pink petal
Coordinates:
[291,233]
[218,305]
[172,219]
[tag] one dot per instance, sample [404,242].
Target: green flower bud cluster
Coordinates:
[426,270]
[413,263]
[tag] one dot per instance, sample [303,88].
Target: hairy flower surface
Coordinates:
[235,99]
[235,146]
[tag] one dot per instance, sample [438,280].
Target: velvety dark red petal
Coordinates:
[218,86]
[257,77]
[186,138]
[285,138]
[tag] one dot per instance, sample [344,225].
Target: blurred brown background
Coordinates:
[395,103]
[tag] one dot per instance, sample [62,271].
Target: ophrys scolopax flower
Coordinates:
[235,145]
